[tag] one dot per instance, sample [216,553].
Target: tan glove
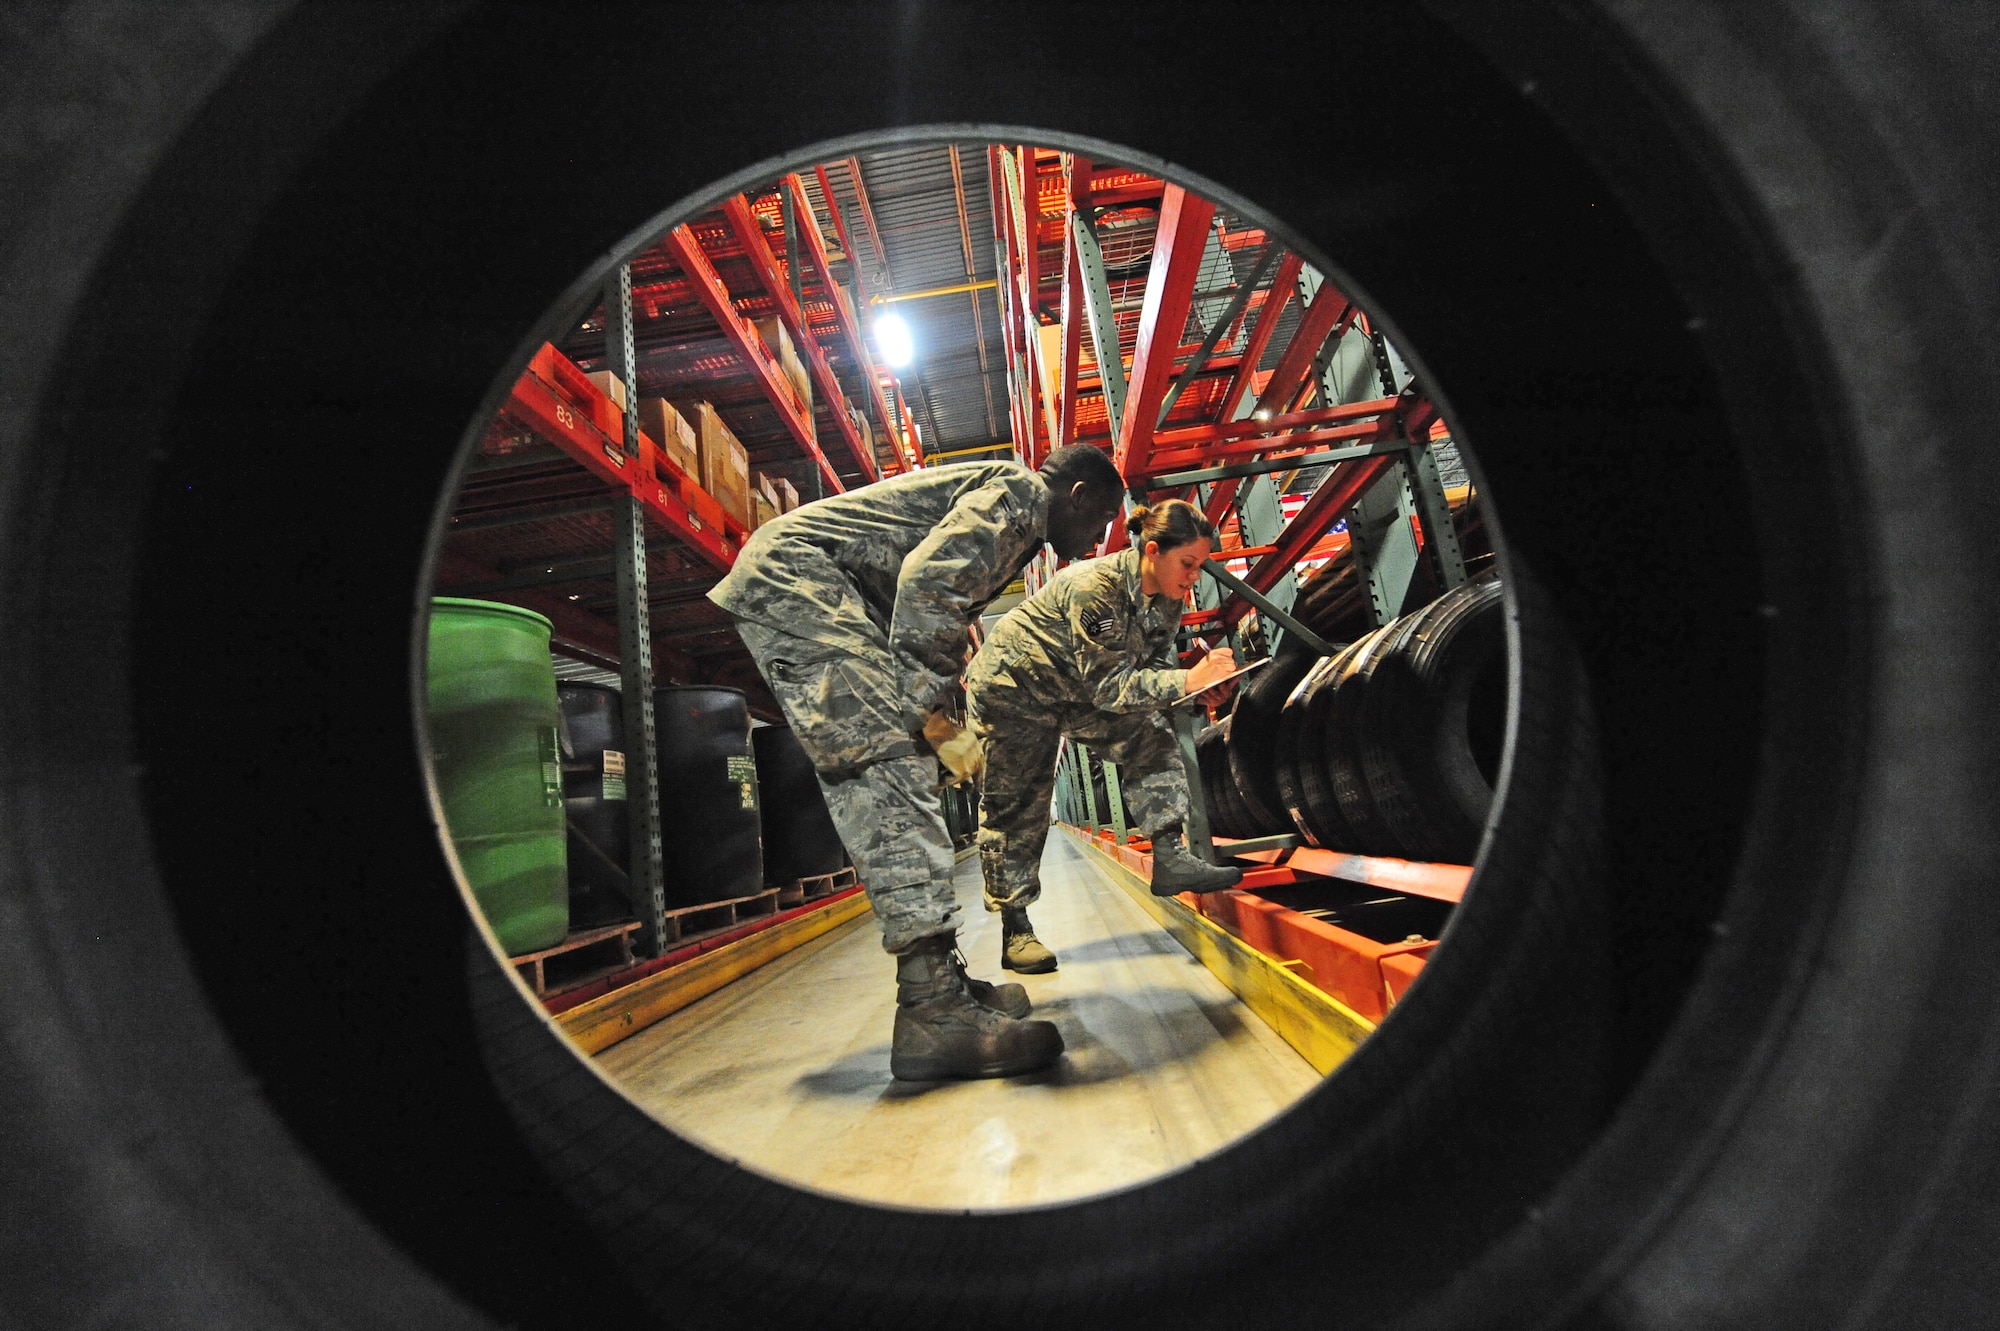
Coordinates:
[957,747]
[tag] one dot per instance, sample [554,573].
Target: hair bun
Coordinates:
[1170,523]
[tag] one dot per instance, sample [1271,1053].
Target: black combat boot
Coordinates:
[1011,999]
[942,1032]
[1176,870]
[1020,950]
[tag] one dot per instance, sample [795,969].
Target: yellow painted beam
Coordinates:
[1322,1028]
[604,1021]
[987,285]
[994,447]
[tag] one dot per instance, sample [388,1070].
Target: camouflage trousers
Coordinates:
[849,710]
[1020,740]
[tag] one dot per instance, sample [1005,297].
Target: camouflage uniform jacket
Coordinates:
[1090,638]
[913,558]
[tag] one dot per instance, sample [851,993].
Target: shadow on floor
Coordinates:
[1142,1017]
[1119,947]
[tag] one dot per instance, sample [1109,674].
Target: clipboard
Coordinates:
[1212,685]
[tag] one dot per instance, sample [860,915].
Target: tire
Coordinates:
[1253,738]
[1340,728]
[1429,735]
[1225,810]
[1288,773]
[1319,814]
[1240,812]
[1705,1044]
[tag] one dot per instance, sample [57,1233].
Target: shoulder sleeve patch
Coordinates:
[1097,621]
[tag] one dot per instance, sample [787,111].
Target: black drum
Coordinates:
[711,829]
[592,732]
[799,836]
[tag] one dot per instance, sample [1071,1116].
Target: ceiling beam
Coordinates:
[867,211]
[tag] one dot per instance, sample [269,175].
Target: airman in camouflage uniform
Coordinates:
[1090,657]
[856,608]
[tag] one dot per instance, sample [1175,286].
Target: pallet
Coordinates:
[613,942]
[683,922]
[814,886]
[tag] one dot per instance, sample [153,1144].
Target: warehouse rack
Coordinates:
[1337,410]
[1100,305]
[569,508]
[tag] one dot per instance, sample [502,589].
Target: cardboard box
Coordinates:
[788,494]
[772,330]
[670,430]
[611,386]
[725,466]
[764,498]
[802,382]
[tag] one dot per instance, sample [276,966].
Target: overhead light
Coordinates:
[892,335]
[1264,415]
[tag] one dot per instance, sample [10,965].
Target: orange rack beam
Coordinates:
[1367,976]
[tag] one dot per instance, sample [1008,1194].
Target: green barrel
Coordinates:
[493,713]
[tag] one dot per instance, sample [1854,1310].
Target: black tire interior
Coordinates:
[273,1076]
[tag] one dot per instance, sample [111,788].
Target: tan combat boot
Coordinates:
[1020,950]
[942,1032]
[1176,870]
[1011,999]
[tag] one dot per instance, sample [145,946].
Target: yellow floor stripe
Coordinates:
[604,1021]
[1322,1028]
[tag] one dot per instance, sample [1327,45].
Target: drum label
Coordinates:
[552,794]
[742,769]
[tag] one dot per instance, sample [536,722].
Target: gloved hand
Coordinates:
[957,747]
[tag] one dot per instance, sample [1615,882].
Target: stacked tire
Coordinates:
[1256,729]
[1227,814]
[1390,746]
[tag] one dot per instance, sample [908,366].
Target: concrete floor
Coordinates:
[787,1070]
